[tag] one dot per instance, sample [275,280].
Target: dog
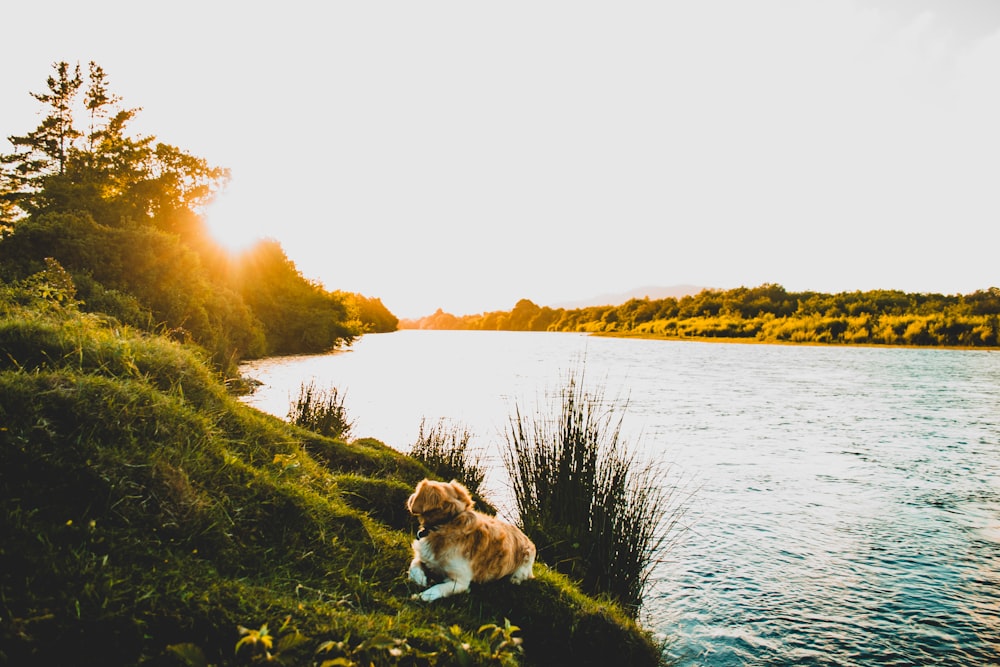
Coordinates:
[460,545]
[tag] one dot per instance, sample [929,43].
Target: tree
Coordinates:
[97,101]
[120,213]
[44,152]
[371,313]
[177,182]
[985,302]
[106,172]
[297,314]
[544,319]
[112,161]
[521,316]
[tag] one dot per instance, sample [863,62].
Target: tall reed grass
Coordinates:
[595,511]
[321,411]
[444,449]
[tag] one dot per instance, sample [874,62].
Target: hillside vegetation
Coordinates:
[120,213]
[150,518]
[147,516]
[767,313]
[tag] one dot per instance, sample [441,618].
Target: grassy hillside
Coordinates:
[150,518]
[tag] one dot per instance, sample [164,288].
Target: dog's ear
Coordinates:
[426,497]
[462,495]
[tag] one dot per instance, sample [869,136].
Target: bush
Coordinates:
[593,510]
[445,451]
[321,411]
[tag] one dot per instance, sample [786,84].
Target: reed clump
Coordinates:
[444,449]
[595,511]
[322,411]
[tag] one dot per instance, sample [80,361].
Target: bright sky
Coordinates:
[464,155]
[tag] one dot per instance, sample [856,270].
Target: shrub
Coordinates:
[445,451]
[321,411]
[595,512]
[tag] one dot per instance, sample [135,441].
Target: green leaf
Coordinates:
[291,640]
[190,654]
[339,662]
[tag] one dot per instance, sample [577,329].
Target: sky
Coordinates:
[465,155]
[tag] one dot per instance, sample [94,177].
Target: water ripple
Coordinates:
[848,499]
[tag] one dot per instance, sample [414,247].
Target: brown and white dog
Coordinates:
[461,545]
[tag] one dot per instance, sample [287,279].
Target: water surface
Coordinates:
[846,500]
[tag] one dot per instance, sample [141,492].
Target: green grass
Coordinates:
[148,516]
[594,511]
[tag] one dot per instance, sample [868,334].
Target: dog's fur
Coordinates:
[460,545]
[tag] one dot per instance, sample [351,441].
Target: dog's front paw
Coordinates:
[417,575]
[431,594]
[427,596]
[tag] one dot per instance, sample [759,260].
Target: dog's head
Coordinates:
[438,502]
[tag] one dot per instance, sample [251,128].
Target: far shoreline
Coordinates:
[756,341]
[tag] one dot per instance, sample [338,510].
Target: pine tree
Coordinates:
[105,171]
[43,153]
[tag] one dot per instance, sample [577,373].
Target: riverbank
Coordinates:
[643,335]
[767,313]
[151,518]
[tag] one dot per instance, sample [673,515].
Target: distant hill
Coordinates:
[652,291]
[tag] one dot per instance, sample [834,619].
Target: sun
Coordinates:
[233,222]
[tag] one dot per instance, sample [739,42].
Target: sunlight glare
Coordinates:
[233,222]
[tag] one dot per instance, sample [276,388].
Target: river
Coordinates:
[843,503]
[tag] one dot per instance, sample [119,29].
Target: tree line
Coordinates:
[767,313]
[120,214]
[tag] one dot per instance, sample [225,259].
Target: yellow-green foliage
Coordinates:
[149,516]
[118,211]
[769,314]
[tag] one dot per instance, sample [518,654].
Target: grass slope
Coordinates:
[150,518]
